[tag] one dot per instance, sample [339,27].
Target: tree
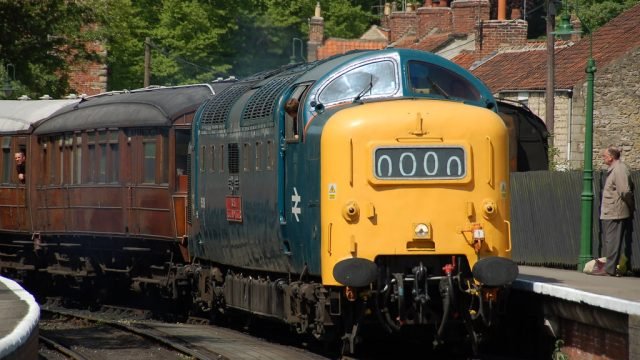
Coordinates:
[598,13]
[40,38]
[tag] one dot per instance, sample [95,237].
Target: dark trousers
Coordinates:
[614,235]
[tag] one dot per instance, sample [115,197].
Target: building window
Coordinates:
[523,97]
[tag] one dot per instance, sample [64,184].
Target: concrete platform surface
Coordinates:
[620,294]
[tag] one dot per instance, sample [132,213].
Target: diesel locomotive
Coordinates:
[384,197]
[367,189]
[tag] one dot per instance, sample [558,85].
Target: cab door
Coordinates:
[296,199]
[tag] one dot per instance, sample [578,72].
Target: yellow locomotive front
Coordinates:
[415,210]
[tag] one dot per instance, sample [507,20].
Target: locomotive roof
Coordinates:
[18,115]
[138,108]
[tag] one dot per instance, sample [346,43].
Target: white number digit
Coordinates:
[379,167]
[435,162]
[413,164]
[458,164]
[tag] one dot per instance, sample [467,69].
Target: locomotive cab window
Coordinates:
[374,79]
[430,79]
[292,110]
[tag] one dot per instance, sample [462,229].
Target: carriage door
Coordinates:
[179,196]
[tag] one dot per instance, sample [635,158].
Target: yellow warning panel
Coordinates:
[332,191]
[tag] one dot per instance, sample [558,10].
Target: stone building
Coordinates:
[499,53]
[520,74]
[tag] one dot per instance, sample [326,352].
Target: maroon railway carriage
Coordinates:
[16,124]
[108,190]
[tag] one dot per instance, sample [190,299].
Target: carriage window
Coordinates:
[44,144]
[149,163]
[182,152]
[55,168]
[431,79]
[77,160]
[102,163]
[6,160]
[91,174]
[114,157]
[66,157]
[374,79]
[163,161]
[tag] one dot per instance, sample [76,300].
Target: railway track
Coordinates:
[111,333]
[124,333]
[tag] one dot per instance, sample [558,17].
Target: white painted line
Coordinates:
[23,330]
[579,296]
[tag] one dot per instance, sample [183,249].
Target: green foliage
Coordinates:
[346,21]
[191,40]
[598,13]
[553,155]
[41,38]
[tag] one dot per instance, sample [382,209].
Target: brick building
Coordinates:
[498,52]
[89,77]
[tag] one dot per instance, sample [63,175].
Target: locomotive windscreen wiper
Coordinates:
[439,89]
[364,91]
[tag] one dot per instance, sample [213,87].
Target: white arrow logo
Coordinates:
[295,210]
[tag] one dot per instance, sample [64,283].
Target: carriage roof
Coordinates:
[139,108]
[18,115]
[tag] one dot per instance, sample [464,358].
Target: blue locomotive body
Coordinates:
[385,190]
[256,181]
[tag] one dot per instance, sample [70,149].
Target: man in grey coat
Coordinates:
[616,210]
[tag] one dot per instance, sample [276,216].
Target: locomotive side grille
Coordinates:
[233,158]
[217,109]
[260,106]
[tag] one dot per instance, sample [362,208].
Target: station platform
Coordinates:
[619,294]
[19,317]
[595,317]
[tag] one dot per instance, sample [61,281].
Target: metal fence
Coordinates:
[545,211]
